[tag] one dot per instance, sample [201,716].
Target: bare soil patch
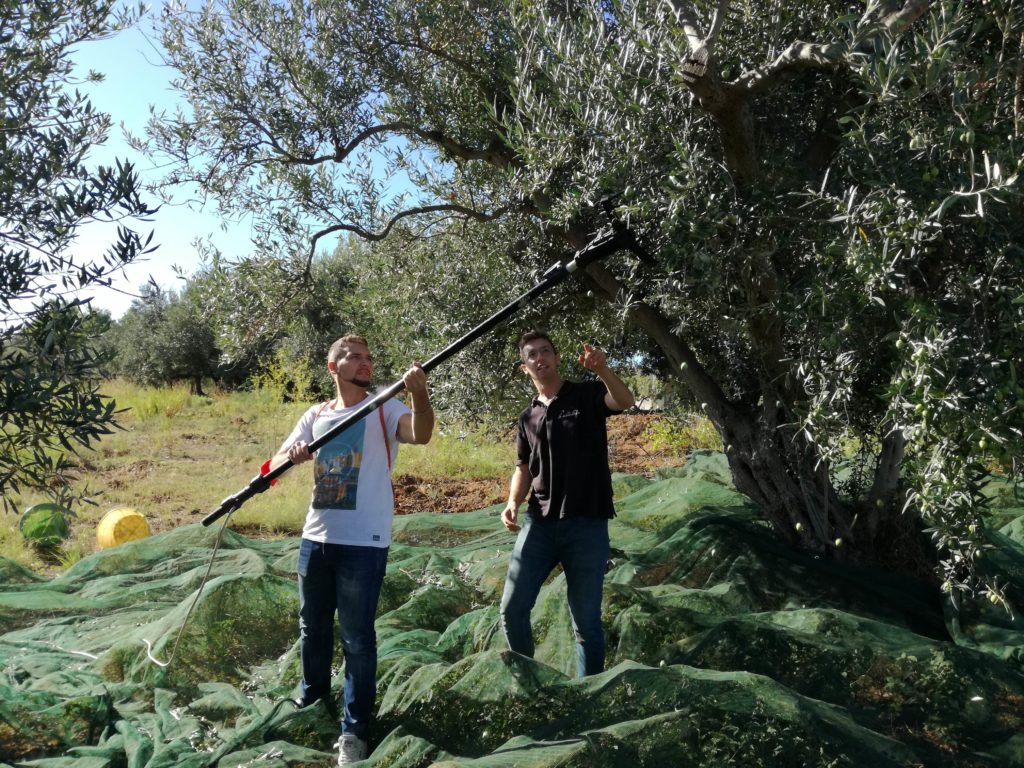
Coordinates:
[629,449]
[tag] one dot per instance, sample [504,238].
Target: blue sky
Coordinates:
[134,79]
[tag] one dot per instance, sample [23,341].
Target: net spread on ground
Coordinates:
[724,648]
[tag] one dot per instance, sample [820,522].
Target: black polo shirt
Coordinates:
[565,446]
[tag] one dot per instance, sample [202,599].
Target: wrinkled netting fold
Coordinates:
[724,647]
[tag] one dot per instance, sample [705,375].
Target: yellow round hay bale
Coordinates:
[121,525]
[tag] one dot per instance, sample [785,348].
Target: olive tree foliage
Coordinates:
[247,304]
[164,338]
[50,405]
[419,292]
[268,312]
[818,205]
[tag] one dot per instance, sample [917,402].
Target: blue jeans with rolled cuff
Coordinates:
[347,580]
[581,546]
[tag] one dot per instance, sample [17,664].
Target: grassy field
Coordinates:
[179,455]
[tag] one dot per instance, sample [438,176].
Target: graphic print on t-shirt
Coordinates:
[336,474]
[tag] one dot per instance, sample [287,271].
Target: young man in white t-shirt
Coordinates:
[345,539]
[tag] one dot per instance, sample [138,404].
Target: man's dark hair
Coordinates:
[337,350]
[529,336]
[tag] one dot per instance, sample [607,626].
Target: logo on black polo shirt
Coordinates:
[569,414]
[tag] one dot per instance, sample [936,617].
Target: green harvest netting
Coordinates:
[725,648]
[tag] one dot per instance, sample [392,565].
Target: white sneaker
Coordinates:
[351,749]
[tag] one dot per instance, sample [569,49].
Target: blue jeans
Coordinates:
[581,546]
[335,577]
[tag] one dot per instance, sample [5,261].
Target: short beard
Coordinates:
[363,383]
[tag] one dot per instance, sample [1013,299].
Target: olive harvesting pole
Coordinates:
[603,244]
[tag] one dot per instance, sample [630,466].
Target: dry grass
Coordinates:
[177,456]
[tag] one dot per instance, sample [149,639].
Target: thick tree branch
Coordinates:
[373,236]
[716,23]
[687,18]
[887,472]
[828,56]
[342,153]
[496,153]
[680,355]
[798,56]
[898,20]
[688,22]
[1018,91]
[729,102]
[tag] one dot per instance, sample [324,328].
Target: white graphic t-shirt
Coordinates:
[353,501]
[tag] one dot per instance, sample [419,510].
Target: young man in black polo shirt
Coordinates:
[562,451]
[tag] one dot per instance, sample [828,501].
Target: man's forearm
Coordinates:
[520,486]
[422,417]
[277,460]
[618,393]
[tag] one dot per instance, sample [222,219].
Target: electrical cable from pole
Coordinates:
[195,601]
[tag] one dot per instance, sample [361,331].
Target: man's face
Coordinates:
[354,366]
[540,360]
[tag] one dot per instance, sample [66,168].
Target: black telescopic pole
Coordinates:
[601,246]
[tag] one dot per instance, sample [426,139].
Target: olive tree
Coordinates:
[50,405]
[163,338]
[266,311]
[817,205]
